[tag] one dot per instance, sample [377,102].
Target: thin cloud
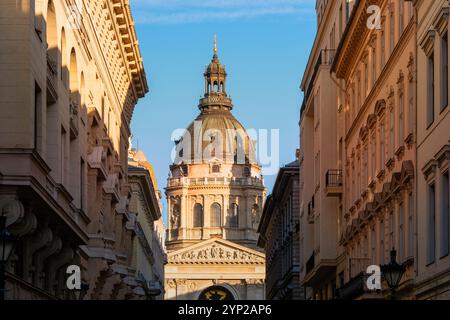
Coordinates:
[195,11]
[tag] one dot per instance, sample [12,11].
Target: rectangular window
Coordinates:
[373,242]
[431,252]
[82,173]
[444,69]
[430,91]
[383,46]
[382,242]
[374,66]
[366,79]
[401,232]
[410,225]
[63,155]
[445,212]
[373,161]
[401,22]
[391,230]
[401,119]
[382,146]
[391,31]
[392,133]
[38,110]
[411,109]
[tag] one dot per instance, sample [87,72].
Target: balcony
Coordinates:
[333,183]
[183,181]
[73,119]
[52,78]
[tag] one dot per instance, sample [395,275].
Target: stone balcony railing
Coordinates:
[216,100]
[178,182]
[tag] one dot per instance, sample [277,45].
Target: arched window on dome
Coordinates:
[215,215]
[198,215]
[221,86]
[216,86]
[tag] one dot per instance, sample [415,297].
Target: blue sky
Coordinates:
[263,43]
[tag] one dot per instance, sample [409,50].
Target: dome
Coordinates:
[215,130]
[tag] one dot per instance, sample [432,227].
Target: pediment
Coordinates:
[216,251]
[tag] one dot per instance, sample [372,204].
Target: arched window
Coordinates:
[73,72]
[64,71]
[233,219]
[216,86]
[51,36]
[215,215]
[198,215]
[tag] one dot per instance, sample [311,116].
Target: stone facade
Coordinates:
[320,156]
[215,196]
[433,151]
[279,236]
[145,209]
[378,127]
[390,174]
[71,76]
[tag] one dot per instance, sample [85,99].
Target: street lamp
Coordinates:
[7,242]
[393,272]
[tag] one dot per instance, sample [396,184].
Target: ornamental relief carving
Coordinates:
[216,254]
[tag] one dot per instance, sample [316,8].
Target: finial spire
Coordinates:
[215,43]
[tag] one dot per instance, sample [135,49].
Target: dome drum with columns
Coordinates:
[215,195]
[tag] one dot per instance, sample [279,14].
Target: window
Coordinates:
[401,21]
[38,110]
[63,155]
[374,66]
[82,180]
[382,241]
[198,215]
[392,132]
[401,119]
[383,45]
[392,230]
[391,29]
[373,160]
[373,242]
[411,109]
[430,90]
[431,252]
[444,69]
[366,79]
[215,168]
[215,217]
[365,166]
[382,146]
[401,232]
[410,225]
[445,212]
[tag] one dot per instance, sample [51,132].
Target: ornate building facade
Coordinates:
[72,74]
[376,67]
[392,146]
[279,236]
[215,196]
[145,209]
[319,158]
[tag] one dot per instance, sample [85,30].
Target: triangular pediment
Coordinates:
[216,251]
